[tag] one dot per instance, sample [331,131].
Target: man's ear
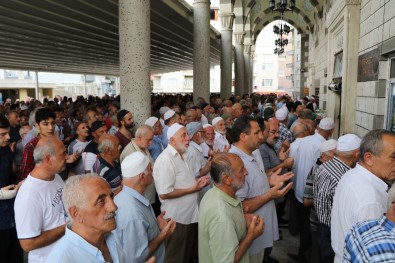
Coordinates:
[368,158]
[75,215]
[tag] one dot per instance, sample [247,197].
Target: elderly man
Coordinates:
[224,235]
[39,214]
[221,144]
[178,192]
[361,193]
[88,200]
[373,240]
[192,115]
[140,233]
[256,194]
[326,179]
[91,150]
[125,122]
[285,135]
[107,165]
[144,137]
[170,118]
[208,144]
[156,146]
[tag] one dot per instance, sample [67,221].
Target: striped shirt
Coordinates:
[371,241]
[326,178]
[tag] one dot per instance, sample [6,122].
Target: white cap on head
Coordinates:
[151,121]
[327,124]
[163,110]
[169,114]
[207,125]
[216,120]
[134,164]
[328,146]
[282,113]
[348,142]
[24,107]
[173,130]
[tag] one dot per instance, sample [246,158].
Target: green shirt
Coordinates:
[221,227]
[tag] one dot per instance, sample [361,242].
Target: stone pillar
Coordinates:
[350,66]
[247,68]
[134,58]
[226,54]
[251,76]
[239,63]
[201,50]
[304,63]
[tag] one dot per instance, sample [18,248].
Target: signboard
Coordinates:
[368,66]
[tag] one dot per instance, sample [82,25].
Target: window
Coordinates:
[267,82]
[267,66]
[172,82]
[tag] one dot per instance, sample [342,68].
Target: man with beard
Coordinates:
[125,122]
[156,146]
[39,214]
[178,192]
[208,141]
[78,146]
[221,144]
[225,233]
[91,151]
[170,118]
[14,119]
[88,200]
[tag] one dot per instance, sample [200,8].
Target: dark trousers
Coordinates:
[182,246]
[324,242]
[10,249]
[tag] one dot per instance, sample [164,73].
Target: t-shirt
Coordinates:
[77,146]
[89,155]
[39,207]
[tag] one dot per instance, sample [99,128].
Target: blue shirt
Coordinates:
[371,241]
[136,226]
[156,146]
[73,248]
[165,141]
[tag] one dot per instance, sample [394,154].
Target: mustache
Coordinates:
[110,216]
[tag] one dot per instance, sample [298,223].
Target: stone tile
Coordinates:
[378,122]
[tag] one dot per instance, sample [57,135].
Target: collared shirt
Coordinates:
[221,227]
[7,178]
[308,152]
[257,183]
[326,179]
[165,140]
[172,171]
[360,195]
[371,241]
[284,134]
[73,248]
[220,142]
[113,130]
[112,174]
[293,150]
[132,147]
[27,163]
[136,226]
[269,157]
[156,146]
[205,149]
[123,140]
[308,193]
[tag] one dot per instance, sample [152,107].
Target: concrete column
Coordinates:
[134,58]
[201,50]
[239,63]
[226,54]
[350,67]
[247,69]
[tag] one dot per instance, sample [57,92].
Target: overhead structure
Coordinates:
[81,36]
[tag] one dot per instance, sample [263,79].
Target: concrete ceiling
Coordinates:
[81,36]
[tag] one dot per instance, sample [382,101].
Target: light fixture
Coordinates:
[282,6]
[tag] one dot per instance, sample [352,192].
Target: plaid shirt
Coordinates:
[371,241]
[27,163]
[326,178]
[284,134]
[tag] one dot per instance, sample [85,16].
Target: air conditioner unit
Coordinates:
[335,86]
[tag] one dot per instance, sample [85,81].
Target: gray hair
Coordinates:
[298,128]
[142,131]
[105,145]
[221,166]
[74,192]
[373,142]
[42,150]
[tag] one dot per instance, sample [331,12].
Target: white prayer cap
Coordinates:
[24,107]
[327,124]
[163,110]
[173,130]
[328,145]
[282,113]
[151,121]
[348,142]
[134,164]
[169,114]
[216,120]
[207,125]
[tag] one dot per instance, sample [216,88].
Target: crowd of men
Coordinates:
[204,182]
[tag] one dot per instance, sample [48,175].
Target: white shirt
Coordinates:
[293,150]
[203,120]
[172,171]
[359,196]
[39,207]
[77,146]
[220,142]
[306,156]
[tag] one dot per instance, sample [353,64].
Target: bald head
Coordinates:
[299,130]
